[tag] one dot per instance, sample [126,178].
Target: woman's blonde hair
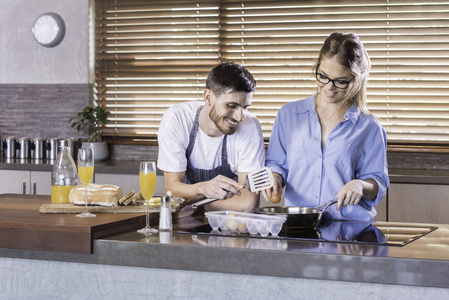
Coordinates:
[350,53]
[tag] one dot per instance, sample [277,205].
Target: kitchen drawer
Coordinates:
[25,182]
[40,183]
[11,181]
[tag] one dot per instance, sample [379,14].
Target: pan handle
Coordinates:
[327,204]
[203,202]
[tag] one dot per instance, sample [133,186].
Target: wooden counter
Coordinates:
[23,227]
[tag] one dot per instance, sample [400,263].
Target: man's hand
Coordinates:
[221,187]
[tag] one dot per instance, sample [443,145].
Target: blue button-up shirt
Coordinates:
[355,149]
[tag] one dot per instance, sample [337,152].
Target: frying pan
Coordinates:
[296,216]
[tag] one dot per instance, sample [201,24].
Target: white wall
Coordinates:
[23,61]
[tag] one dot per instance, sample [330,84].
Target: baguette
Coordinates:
[97,194]
[135,198]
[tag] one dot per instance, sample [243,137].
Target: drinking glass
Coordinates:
[147,180]
[85,174]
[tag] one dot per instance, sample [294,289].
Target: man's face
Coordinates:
[229,109]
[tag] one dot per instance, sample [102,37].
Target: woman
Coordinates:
[329,146]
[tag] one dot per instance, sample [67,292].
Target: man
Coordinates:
[206,149]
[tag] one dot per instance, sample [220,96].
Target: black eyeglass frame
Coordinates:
[333,81]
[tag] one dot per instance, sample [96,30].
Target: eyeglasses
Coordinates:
[339,84]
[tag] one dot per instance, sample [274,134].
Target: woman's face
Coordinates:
[332,69]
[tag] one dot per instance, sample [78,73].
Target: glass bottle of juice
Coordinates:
[63,176]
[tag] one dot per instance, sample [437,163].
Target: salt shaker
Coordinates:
[165,222]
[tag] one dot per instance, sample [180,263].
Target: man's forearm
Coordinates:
[187,191]
[245,203]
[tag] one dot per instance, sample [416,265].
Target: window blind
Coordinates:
[151,55]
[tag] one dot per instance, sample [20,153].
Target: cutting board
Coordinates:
[49,208]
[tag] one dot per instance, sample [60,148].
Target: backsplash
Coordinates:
[396,160]
[418,160]
[128,152]
[41,110]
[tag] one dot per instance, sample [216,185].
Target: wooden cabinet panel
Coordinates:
[418,203]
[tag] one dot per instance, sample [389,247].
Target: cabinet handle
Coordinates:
[24,188]
[34,188]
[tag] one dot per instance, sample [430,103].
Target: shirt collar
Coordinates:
[352,114]
[306,105]
[309,105]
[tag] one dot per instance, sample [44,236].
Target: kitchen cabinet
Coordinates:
[128,182]
[418,203]
[25,182]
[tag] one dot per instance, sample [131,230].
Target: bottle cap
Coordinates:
[165,199]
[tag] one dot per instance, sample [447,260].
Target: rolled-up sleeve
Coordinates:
[374,165]
[276,154]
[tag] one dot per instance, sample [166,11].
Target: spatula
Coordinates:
[258,180]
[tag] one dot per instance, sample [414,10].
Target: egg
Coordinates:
[232,222]
[242,227]
[275,198]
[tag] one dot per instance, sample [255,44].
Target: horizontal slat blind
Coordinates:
[152,55]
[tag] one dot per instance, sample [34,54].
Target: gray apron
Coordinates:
[194,175]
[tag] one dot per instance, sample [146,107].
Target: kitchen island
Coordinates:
[182,265]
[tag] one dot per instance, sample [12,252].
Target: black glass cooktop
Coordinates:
[379,233]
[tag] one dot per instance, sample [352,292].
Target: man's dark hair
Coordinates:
[230,76]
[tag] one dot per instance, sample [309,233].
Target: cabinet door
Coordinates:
[128,182]
[11,181]
[40,183]
[418,203]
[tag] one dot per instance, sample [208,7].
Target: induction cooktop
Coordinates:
[357,232]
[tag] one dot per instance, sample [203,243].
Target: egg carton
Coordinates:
[240,222]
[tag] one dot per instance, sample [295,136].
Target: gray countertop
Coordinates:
[421,176]
[423,262]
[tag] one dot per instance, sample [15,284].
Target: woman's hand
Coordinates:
[350,194]
[275,192]
[354,190]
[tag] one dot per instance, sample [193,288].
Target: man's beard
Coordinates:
[216,119]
